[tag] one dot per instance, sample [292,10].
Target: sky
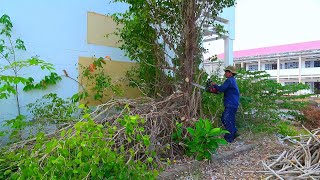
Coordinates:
[262,23]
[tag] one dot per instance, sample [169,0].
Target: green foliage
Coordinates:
[95,78]
[286,129]
[261,99]
[16,124]
[88,151]
[158,34]
[51,107]
[203,139]
[139,43]
[52,79]
[10,68]
[212,104]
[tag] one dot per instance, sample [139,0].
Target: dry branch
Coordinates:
[300,162]
[160,119]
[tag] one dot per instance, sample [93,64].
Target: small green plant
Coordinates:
[16,124]
[203,139]
[13,77]
[10,76]
[286,129]
[52,108]
[262,98]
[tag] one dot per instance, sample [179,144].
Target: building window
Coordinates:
[310,84]
[291,65]
[308,64]
[270,66]
[290,83]
[253,67]
[316,63]
[314,87]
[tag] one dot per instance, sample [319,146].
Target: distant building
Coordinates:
[288,64]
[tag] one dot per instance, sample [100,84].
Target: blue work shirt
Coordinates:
[231,92]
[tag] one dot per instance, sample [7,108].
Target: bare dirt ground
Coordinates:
[239,165]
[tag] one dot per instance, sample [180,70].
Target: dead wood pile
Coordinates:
[300,162]
[160,120]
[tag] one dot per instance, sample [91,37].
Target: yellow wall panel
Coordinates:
[98,26]
[116,70]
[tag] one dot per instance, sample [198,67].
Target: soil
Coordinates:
[237,166]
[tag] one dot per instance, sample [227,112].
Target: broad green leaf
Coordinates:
[191,131]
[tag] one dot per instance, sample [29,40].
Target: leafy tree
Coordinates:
[166,38]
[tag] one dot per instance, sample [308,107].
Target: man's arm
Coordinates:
[223,87]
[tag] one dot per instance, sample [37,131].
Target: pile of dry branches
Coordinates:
[160,121]
[160,117]
[300,162]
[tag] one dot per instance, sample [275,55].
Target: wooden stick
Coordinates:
[264,164]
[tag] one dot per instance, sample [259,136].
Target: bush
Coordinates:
[87,151]
[202,141]
[312,117]
[52,107]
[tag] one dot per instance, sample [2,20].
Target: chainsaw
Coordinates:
[208,88]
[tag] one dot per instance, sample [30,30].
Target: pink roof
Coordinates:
[311,45]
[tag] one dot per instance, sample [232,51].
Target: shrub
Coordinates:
[312,117]
[51,107]
[87,151]
[202,141]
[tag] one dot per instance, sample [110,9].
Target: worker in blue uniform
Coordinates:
[231,102]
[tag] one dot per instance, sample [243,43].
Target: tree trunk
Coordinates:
[189,54]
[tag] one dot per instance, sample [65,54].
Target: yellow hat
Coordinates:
[232,69]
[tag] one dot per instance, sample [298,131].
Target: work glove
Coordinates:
[210,88]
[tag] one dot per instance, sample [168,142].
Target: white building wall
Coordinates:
[56,31]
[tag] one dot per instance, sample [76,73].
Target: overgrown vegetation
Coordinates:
[169,49]
[136,138]
[87,150]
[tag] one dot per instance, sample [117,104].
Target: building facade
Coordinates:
[288,64]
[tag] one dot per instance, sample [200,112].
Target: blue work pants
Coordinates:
[229,122]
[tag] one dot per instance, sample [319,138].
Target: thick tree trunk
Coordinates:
[190,53]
